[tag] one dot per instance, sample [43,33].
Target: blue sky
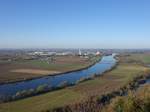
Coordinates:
[74,24]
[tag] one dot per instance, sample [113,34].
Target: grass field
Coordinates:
[145,58]
[138,57]
[26,69]
[107,83]
[46,101]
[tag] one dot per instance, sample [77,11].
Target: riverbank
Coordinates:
[107,83]
[79,67]
[99,103]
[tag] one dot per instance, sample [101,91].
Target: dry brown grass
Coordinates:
[135,101]
[70,59]
[34,71]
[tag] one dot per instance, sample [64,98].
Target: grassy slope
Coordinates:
[107,83]
[138,101]
[35,104]
[126,72]
[144,58]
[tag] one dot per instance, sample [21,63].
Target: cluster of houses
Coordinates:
[43,53]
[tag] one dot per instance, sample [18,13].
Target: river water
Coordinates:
[106,63]
[148,81]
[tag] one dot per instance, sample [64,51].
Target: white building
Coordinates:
[98,53]
[80,53]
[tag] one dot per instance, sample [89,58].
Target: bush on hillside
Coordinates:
[134,102]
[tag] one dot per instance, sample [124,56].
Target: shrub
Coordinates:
[118,105]
[63,84]
[42,88]
[94,75]
[82,79]
[134,102]
[31,91]
[20,94]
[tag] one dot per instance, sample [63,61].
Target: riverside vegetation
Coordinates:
[138,101]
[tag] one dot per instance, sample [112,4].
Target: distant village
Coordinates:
[66,53]
[45,55]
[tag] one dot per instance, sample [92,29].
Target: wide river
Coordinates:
[106,63]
